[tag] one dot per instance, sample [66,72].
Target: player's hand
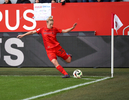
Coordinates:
[19,36]
[74,25]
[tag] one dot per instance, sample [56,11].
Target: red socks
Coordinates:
[61,69]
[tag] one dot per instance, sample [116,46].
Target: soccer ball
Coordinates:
[77,73]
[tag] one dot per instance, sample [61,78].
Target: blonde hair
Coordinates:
[50,19]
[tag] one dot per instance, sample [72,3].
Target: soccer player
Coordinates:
[52,46]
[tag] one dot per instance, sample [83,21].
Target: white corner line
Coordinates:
[64,89]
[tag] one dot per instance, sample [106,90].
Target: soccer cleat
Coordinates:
[66,76]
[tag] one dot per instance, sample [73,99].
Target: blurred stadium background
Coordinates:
[14,1]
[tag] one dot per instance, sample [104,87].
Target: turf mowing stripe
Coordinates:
[68,88]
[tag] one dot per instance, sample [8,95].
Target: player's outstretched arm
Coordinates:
[28,33]
[69,29]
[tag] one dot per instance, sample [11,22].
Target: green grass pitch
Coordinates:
[21,83]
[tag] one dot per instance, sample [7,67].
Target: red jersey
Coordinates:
[49,36]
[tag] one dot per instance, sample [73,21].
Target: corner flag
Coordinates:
[115,24]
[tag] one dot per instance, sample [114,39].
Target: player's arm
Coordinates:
[28,33]
[69,29]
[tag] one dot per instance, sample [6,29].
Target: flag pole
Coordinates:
[112,45]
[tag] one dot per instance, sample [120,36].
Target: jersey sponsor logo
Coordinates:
[46,33]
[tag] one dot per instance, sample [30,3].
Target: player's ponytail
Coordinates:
[50,19]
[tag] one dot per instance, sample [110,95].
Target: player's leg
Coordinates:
[59,67]
[68,60]
[52,57]
[61,53]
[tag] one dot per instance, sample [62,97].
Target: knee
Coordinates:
[55,62]
[68,60]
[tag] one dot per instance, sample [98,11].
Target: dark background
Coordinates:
[87,50]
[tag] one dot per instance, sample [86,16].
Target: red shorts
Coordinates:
[56,51]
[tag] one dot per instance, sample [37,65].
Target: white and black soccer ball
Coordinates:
[77,73]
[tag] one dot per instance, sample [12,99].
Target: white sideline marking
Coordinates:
[68,88]
[88,79]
